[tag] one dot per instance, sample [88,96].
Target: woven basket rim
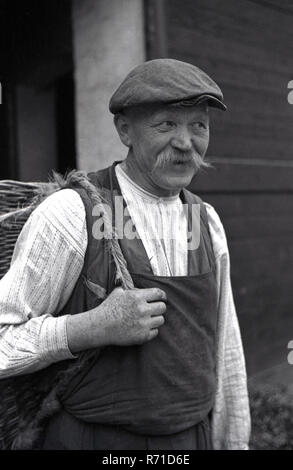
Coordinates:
[22,184]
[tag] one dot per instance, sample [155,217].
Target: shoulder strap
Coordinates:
[88,206]
[192,198]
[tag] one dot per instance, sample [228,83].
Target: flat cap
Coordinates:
[166,81]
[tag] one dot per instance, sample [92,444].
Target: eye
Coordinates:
[199,125]
[166,125]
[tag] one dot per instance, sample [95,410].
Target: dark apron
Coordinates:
[66,432]
[164,387]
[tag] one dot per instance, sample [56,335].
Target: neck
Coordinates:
[143,180]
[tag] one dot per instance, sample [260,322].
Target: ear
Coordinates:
[122,125]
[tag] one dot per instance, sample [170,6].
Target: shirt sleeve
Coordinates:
[47,261]
[231,415]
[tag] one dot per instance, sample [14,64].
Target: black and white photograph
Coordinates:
[146,228]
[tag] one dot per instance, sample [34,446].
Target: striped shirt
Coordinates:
[46,264]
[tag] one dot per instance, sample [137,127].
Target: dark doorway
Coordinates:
[37,125]
[65,123]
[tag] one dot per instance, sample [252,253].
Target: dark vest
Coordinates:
[168,384]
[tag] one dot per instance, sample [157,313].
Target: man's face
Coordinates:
[167,145]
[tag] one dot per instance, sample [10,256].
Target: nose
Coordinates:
[182,140]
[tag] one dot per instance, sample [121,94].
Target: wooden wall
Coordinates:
[246,46]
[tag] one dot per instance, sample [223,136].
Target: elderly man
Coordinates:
[169,372]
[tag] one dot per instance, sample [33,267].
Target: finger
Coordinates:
[156,308]
[152,294]
[153,333]
[157,321]
[117,290]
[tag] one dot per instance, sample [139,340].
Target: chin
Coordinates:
[176,182]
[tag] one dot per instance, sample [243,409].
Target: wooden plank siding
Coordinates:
[246,46]
[259,229]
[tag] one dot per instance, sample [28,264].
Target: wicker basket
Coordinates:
[14,195]
[27,401]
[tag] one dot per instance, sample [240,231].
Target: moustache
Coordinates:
[170,156]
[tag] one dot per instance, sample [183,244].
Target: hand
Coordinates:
[132,316]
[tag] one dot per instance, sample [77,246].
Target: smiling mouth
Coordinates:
[182,162]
